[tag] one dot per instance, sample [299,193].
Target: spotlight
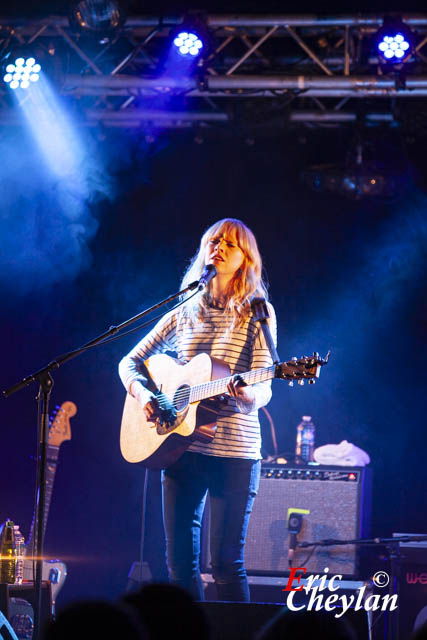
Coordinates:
[394,40]
[21,72]
[393,46]
[191,39]
[101,17]
[188,44]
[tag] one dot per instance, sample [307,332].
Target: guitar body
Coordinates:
[157,447]
[53,571]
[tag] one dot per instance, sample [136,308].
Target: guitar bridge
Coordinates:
[164,426]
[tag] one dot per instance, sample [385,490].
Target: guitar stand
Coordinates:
[140,572]
[46,384]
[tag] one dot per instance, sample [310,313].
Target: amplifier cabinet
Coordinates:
[339,502]
[412,600]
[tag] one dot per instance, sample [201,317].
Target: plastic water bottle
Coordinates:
[7,551]
[305,440]
[19,553]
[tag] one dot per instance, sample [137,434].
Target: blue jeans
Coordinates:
[232,484]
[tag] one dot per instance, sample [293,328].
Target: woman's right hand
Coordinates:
[151,410]
[146,400]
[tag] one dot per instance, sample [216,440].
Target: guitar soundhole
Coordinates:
[181,397]
[168,422]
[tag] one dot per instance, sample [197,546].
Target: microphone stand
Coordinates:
[44,379]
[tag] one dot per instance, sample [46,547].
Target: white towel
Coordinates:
[344,454]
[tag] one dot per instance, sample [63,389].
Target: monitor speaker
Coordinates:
[337,502]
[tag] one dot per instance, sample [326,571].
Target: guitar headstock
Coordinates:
[300,369]
[59,424]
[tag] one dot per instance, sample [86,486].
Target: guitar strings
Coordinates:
[256,375]
[196,390]
[219,386]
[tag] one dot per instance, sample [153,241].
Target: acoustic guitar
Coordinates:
[189,396]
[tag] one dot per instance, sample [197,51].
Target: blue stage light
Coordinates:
[395,41]
[22,72]
[188,44]
[393,46]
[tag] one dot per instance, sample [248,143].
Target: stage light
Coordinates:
[395,41]
[190,40]
[101,17]
[188,44]
[21,72]
[393,46]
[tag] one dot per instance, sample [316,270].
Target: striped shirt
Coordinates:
[238,429]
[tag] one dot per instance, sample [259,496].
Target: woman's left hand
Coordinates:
[237,388]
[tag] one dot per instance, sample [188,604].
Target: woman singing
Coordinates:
[218,321]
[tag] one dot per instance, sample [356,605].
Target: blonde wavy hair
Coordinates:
[247,282]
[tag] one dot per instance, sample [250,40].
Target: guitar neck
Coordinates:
[52,461]
[218,387]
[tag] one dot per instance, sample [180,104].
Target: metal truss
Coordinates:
[260,71]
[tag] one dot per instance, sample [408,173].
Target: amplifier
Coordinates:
[338,501]
[412,604]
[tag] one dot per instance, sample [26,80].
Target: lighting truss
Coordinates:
[307,69]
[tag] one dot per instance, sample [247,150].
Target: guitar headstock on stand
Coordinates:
[59,424]
[301,369]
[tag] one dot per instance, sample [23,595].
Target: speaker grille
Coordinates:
[333,497]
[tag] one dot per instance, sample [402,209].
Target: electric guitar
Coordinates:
[189,398]
[54,571]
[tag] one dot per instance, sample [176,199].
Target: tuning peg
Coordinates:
[290,383]
[301,382]
[312,381]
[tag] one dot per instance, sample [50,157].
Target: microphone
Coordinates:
[294,527]
[208,273]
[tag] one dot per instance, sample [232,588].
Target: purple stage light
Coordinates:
[395,41]
[393,47]
[188,43]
